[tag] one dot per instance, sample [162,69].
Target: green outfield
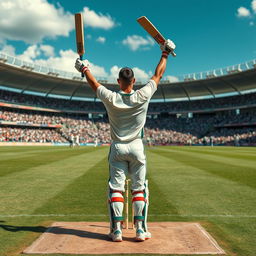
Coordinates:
[215,186]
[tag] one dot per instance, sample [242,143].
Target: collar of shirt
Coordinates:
[127,94]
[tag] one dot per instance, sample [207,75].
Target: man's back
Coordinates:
[127,112]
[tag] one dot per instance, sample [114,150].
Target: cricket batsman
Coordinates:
[127,110]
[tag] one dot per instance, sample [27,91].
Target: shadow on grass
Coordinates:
[10,228]
[57,230]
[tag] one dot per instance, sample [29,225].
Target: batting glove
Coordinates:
[82,66]
[167,47]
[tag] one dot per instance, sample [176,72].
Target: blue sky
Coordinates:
[208,34]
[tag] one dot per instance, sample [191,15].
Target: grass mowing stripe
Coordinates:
[23,163]
[86,197]
[158,200]
[27,190]
[192,190]
[87,194]
[230,169]
[20,149]
[238,233]
[243,162]
[12,155]
[219,204]
[211,151]
[27,230]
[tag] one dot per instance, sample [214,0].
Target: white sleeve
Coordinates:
[104,94]
[147,91]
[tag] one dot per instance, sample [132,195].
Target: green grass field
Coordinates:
[214,186]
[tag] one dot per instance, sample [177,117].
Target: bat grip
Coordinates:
[172,52]
[81,58]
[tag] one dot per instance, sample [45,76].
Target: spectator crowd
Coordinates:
[76,105]
[213,103]
[163,128]
[204,129]
[16,134]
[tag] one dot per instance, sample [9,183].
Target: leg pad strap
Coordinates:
[120,218]
[141,218]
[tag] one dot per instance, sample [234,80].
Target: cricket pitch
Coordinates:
[92,238]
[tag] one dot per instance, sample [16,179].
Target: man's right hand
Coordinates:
[168,47]
[82,66]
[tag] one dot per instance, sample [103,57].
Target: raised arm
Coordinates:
[83,66]
[160,69]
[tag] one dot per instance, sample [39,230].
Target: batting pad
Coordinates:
[92,238]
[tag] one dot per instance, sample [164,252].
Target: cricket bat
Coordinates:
[79,36]
[151,29]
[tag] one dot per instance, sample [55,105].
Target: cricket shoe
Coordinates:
[141,235]
[116,236]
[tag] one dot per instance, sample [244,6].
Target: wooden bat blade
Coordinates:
[151,29]
[79,34]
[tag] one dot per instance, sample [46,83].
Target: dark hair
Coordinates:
[126,74]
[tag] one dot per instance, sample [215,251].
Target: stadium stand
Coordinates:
[223,127]
[211,110]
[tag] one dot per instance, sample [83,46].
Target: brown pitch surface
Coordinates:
[92,238]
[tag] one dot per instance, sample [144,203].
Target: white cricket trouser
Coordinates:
[127,158]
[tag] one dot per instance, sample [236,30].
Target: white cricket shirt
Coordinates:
[127,111]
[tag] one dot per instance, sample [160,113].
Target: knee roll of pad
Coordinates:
[138,200]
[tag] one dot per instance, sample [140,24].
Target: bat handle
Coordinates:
[81,58]
[173,53]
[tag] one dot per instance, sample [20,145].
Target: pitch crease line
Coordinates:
[213,241]
[38,241]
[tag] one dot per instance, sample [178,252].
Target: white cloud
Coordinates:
[98,71]
[7,5]
[44,55]
[8,49]
[253,4]
[114,71]
[31,53]
[251,23]
[101,39]
[140,74]
[97,20]
[243,12]
[34,51]
[66,61]
[33,20]
[172,79]
[47,50]
[135,42]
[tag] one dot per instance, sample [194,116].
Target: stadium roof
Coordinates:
[28,78]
